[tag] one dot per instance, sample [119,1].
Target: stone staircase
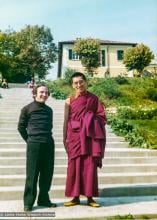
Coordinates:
[126,171]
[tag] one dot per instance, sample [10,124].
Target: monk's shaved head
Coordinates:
[77,74]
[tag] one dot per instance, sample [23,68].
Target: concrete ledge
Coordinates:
[110,207]
[105,190]
[129,190]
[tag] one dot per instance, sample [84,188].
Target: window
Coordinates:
[120,54]
[73,55]
[103,58]
[70,54]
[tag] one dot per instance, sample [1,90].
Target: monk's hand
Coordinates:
[66,149]
[65,145]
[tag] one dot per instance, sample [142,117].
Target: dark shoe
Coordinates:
[47,204]
[27,208]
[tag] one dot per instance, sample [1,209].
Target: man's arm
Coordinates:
[22,124]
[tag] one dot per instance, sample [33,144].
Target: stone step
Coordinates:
[56,118]
[13,126]
[8,133]
[56,108]
[14,129]
[15,137]
[15,113]
[6,101]
[63,160]
[57,133]
[104,178]
[18,106]
[111,190]
[111,144]
[21,169]
[107,168]
[110,152]
[5,117]
[13,123]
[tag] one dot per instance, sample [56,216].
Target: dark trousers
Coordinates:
[40,164]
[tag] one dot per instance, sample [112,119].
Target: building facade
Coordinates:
[111,58]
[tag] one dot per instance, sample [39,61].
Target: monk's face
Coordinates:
[79,84]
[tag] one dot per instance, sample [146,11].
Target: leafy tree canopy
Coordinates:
[6,55]
[31,52]
[89,52]
[138,58]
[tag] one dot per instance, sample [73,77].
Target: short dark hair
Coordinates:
[77,74]
[35,89]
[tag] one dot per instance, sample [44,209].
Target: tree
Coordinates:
[35,51]
[6,56]
[138,58]
[27,53]
[89,52]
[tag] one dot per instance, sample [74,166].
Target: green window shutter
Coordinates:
[120,54]
[70,54]
[103,57]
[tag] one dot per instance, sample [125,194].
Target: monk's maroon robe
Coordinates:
[86,140]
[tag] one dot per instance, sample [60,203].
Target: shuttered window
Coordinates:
[73,55]
[70,54]
[120,54]
[103,58]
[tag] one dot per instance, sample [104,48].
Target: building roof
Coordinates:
[102,42]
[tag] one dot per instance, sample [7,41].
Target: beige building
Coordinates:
[111,58]
[152,68]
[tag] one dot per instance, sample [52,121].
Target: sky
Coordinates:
[132,21]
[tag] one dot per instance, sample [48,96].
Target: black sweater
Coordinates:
[35,123]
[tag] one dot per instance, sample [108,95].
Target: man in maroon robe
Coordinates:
[84,139]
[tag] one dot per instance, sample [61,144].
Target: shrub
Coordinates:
[155,83]
[130,113]
[59,89]
[58,95]
[129,131]
[67,75]
[152,94]
[107,87]
[121,80]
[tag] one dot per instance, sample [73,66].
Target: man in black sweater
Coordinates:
[35,125]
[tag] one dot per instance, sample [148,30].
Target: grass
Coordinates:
[148,129]
[129,216]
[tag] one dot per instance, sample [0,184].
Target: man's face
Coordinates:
[79,84]
[42,94]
